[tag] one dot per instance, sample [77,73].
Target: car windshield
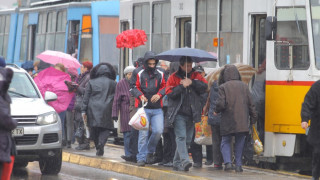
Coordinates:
[22,87]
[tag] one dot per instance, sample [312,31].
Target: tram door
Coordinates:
[258,45]
[183,32]
[124,53]
[73,36]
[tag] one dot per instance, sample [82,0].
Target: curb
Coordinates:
[124,168]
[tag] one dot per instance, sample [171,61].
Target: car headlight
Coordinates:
[48,118]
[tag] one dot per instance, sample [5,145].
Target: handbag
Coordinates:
[203,133]
[139,120]
[79,132]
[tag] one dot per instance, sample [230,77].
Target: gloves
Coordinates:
[115,119]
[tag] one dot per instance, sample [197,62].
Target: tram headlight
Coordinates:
[48,118]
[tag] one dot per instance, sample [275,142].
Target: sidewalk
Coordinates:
[111,161]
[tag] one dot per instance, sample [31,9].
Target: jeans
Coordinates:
[133,144]
[183,129]
[62,116]
[226,147]
[69,125]
[148,145]
[126,141]
[169,145]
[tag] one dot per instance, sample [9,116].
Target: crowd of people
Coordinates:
[175,96]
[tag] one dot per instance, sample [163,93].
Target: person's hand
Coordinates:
[115,118]
[155,98]
[143,98]
[186,82]
[304,125]
[214,113]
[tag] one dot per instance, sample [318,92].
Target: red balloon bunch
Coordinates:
[131,38]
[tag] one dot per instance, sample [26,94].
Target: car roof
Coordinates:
[15,68]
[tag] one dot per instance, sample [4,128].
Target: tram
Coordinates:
[284,33]
[86,28]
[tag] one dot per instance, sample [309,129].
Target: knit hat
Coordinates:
[128,69]
[2,62]
[87,64]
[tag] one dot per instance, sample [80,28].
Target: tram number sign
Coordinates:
[18,132]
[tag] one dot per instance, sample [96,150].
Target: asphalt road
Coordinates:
[68,172]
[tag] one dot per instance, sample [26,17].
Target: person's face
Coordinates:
[83,69]
[58,68]
[128,75]
[151,63]
[35,68]
[187,67]
[163,66]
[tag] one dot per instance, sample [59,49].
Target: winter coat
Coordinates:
[148,82]
[213,119]
[82,82]
[98,97]
[6,122]
[121,103]
[234,103]
[177,93]
[311,111]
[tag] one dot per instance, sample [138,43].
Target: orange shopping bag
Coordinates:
[203,134]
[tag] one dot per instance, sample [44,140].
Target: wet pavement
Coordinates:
[112,161]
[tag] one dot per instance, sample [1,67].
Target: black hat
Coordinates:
[198,68]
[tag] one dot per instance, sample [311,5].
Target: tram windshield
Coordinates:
[22,87]
[315,17]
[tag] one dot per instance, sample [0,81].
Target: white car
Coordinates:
[38,135]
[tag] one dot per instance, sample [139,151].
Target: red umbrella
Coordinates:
[131,38]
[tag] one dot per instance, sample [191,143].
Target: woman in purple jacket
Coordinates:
[6,123]
[121,102]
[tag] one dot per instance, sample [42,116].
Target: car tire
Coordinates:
[51,165]
[20,164]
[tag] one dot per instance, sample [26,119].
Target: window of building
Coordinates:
[4,34]
[24,35]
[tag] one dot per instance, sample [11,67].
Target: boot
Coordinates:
[68,144]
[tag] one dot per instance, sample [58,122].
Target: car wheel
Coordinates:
[51,165]
[20,164]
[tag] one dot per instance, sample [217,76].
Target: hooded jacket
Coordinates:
[234,103]
[6,122]
[177,94]
[148,82]
[98,97]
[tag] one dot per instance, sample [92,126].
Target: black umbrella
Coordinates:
[197,55]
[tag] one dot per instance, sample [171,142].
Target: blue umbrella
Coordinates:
[197,55]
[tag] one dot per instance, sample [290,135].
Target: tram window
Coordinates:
[60,31]
[315,15]
[4,34]
[141,20]
[161,27]
[291,48]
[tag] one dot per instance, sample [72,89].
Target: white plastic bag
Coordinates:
[139,120]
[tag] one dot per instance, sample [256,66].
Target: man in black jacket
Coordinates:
[184,108]
[148,84]
[311,111]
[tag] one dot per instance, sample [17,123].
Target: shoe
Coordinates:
[197,165]
[151,159]
[126,158]
[169,164]
[186,166]
[100,150]
[141,163]
[208,163]
[217,167]
[64,143]
[83,147]
[239,169]
[132,159]
[228,167]
[68,144]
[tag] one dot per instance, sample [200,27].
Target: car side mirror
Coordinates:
[50,96]
[271,28]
